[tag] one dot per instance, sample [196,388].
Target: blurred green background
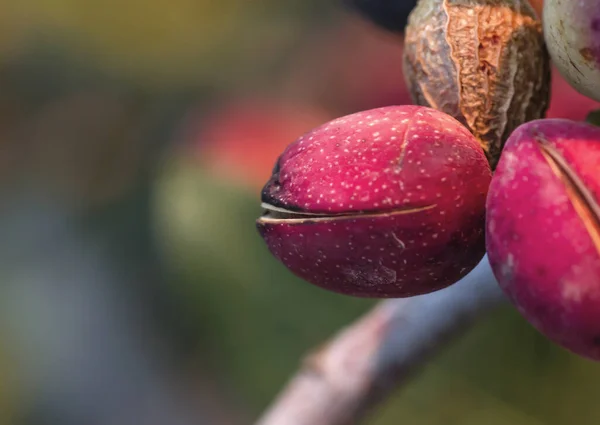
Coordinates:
[134,139]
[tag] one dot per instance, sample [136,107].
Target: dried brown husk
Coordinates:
[483,62]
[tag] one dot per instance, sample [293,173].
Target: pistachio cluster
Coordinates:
[401,200]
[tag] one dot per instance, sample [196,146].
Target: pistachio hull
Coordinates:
[572,32]
[383,203]
[542,230]
[378,256]
[483,62]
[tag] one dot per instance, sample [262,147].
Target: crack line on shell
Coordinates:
[404,144]
[581,198]
[303,218]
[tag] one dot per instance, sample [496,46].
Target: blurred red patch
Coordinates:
[352,67]
[366,68]
[566,102]
[242,140]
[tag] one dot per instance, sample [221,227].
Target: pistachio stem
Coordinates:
[340,382]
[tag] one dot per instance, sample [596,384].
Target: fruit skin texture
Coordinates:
[542,235]
[572,31]
[383,203]
[483,62]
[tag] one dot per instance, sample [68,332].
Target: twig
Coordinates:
[339,383]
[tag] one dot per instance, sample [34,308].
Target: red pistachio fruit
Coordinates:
[543,230]
[388,202]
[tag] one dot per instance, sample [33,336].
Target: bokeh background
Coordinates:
[134,139]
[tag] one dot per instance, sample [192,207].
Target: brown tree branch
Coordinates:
[339,383]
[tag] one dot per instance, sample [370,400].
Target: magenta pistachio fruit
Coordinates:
[572,33]
[382,203]
[543,230]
